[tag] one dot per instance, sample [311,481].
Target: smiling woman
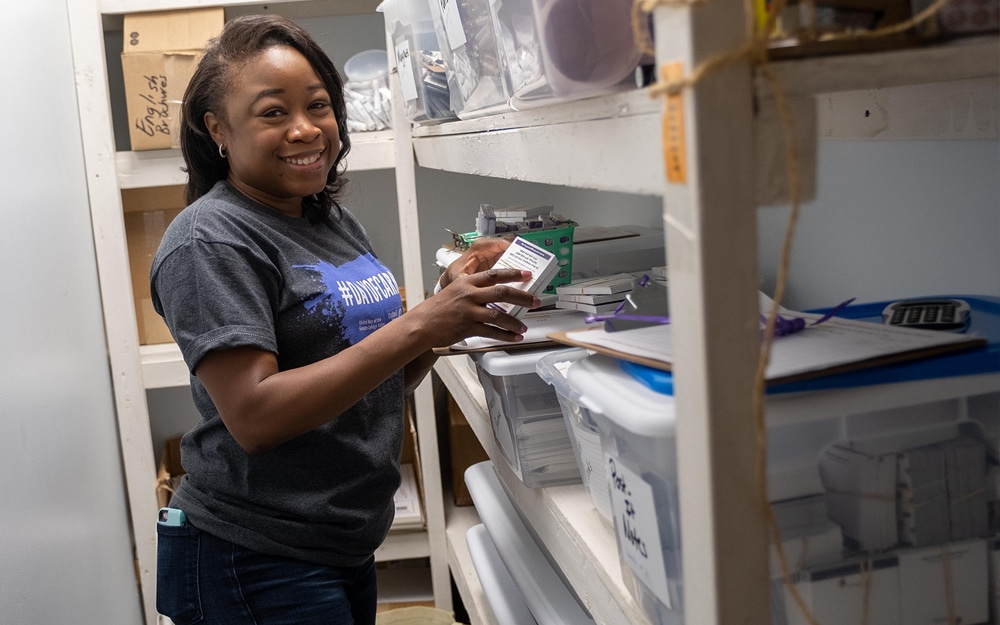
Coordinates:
[298,346]
[279,130]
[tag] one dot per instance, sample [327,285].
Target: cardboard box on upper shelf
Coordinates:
[160,53]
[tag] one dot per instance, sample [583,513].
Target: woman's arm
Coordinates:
[263,407]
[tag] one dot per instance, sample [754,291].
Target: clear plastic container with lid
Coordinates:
[566,49]
[527,421]
[366,91]
[637,426]
[469,37]
[585,435]
[419,60]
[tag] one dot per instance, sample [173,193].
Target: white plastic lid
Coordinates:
[609,390]
[517,362]
[367,65]
[501,591]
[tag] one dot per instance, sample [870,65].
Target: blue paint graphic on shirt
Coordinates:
[360,296]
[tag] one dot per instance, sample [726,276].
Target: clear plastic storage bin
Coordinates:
[527,421]
[637,427]
[469,38]
[585,435]
[566,49]
[419,60]
[366,92]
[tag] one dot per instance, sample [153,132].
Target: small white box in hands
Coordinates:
[525,255]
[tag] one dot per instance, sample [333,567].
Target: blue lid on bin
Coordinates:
[656,379]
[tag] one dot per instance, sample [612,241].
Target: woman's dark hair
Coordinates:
[241,40]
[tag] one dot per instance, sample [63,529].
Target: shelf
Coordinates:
[532,145]
[162,366]
[159,168]
[580,542]
[459,520]
[288,8]
[404,545]
[966,59]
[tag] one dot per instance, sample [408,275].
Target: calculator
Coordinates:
[929,314]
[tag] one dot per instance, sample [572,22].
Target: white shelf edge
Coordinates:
[972,58]
[404,545]
[463,571]
[163,366]
[159,168]
[288,8]
[815,405]
[563,517]
[531,146]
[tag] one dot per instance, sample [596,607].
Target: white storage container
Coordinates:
[527,421]
[542,585]
[419,60]
[585,435]
[566,49]
[639,445]
[469,39]
[502,592]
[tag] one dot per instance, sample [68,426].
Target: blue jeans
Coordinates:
[207,580]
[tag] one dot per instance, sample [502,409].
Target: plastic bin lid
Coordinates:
[367,65]
[501,591]
[608,390]
[502,363]
[551,602]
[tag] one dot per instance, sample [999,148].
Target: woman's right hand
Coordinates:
[460,310]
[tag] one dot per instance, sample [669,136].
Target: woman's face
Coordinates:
[279,130]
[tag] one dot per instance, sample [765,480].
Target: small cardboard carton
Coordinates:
[159,56]
[169,475]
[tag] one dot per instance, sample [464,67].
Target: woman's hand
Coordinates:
[460,310]
[481,255]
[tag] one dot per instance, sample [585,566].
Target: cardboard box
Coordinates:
[170,471]
[466,450]
[147,213]
[159,56]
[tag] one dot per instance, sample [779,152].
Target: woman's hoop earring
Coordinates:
[223,152]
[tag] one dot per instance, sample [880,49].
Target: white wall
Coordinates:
[892,219]
[64,532]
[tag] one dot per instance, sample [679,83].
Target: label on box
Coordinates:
[407,82]
[453,24]
[638,528]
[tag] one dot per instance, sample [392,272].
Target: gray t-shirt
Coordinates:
[230,272]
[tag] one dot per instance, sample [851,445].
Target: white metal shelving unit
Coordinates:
[734,165]
[137,368]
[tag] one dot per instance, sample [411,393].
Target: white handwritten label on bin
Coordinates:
[453,24]
[638,530]
[407,81]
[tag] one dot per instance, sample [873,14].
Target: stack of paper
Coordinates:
[923,497]
[808,537]
[409,512]
[595,295]
[514,214]
[965,463]
[861,495]
[546,450]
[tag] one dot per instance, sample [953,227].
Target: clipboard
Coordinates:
[925,344]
